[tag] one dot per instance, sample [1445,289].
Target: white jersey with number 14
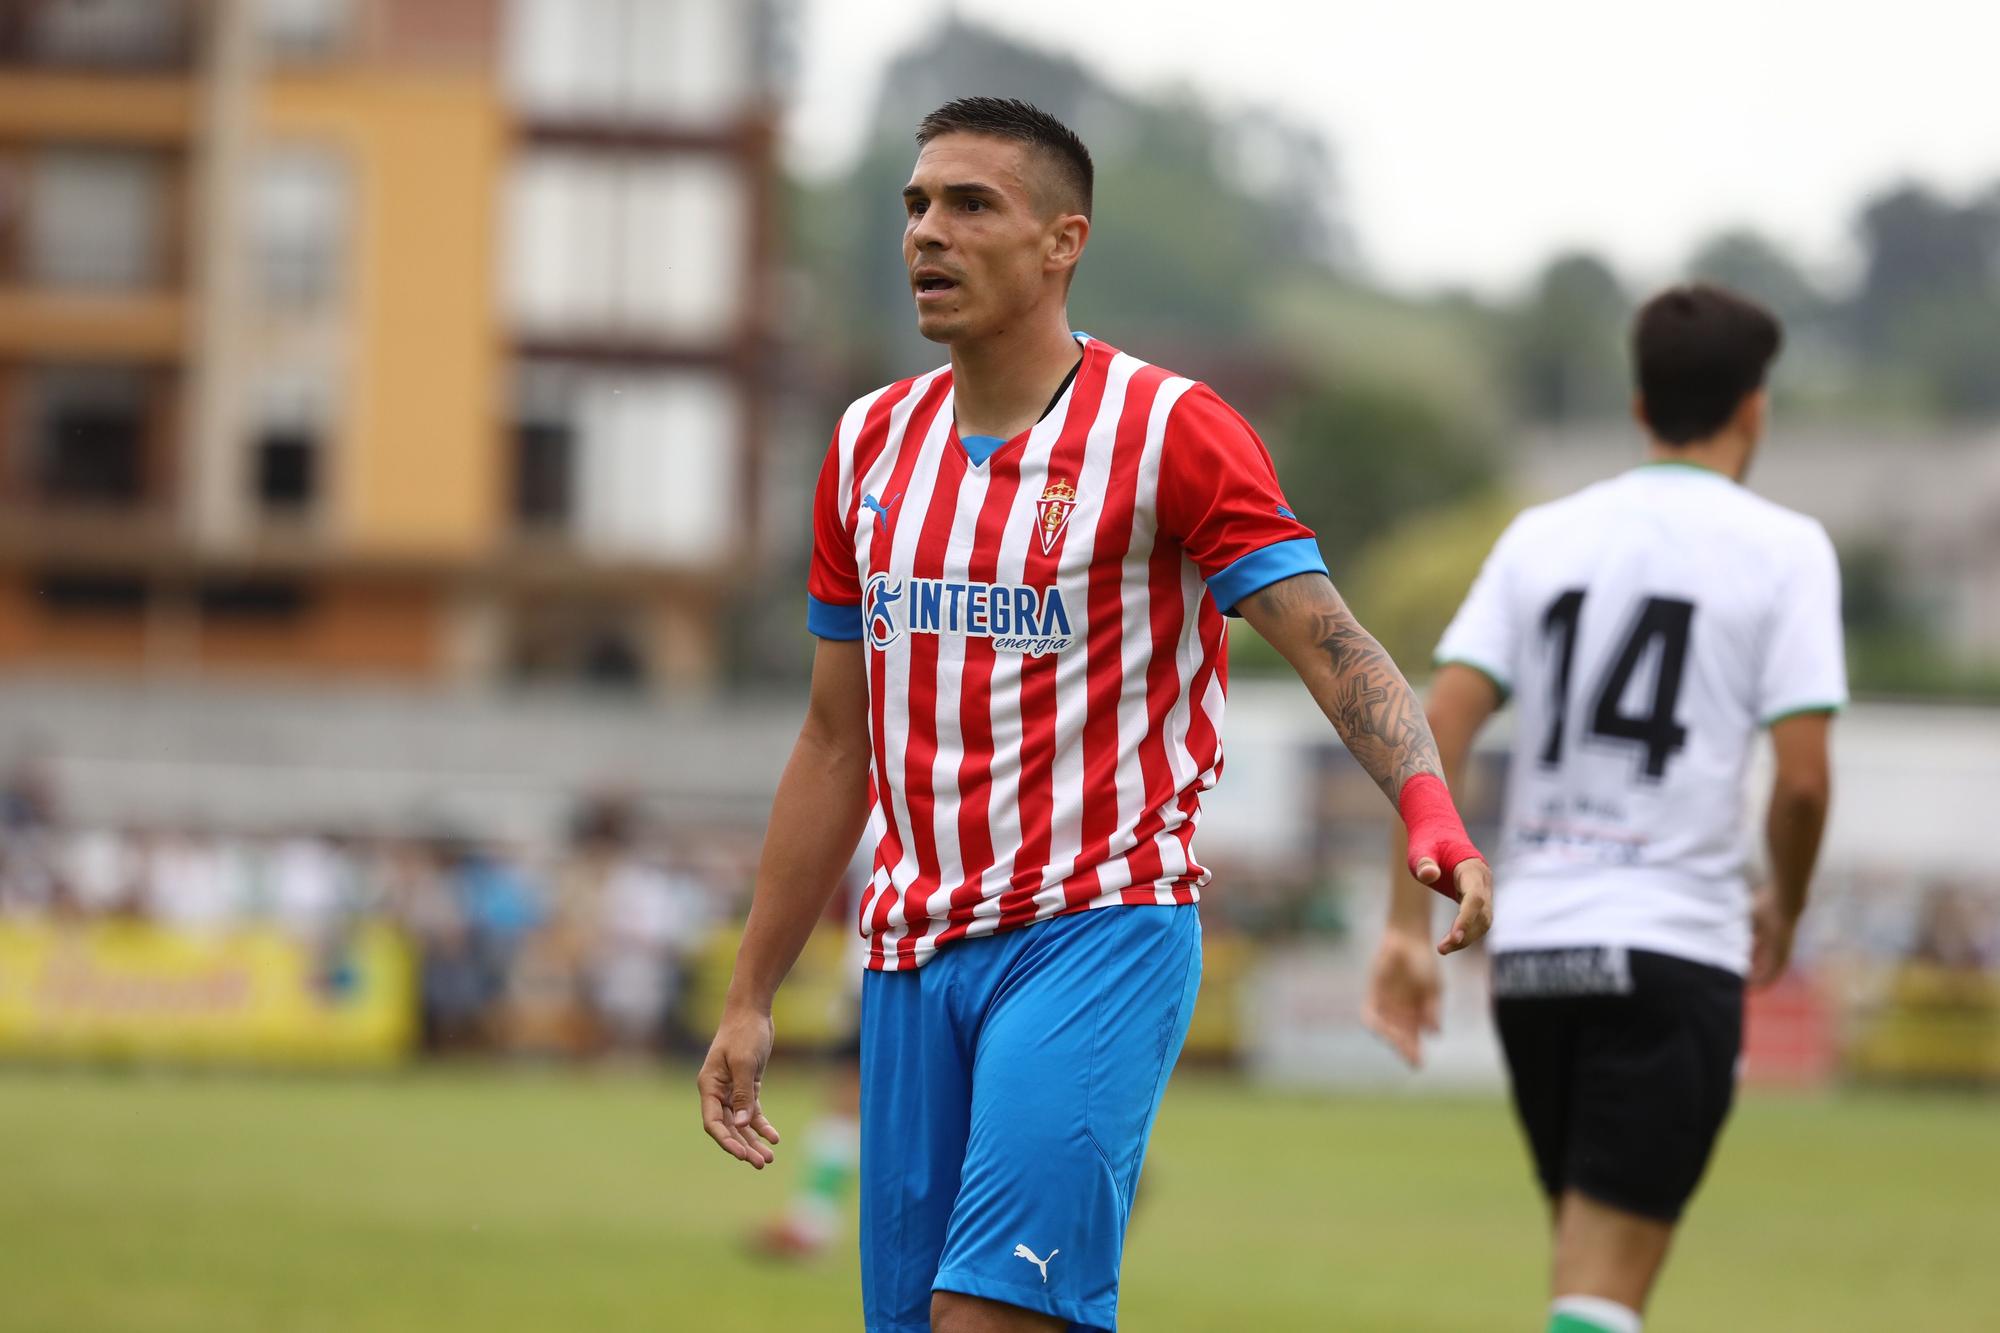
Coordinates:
[1647,627]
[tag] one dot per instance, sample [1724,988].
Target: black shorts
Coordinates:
[1623,1065]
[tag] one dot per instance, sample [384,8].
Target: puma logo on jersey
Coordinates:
[1023,1252]
[880,510]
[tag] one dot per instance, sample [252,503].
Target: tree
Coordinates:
[1359,457]
[1197,210]
[1930,294]
[1920,247]
[1567,345]
[1410,581]
[1749,263]
[1954,344]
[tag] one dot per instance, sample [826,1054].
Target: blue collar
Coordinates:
[979,448]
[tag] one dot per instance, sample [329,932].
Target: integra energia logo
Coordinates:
[1015,617]
[878,611]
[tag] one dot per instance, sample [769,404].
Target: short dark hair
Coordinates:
[1010,118]
[1697,352]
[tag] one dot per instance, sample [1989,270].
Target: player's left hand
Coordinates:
[1402,1001]
[1771,934]
[1472,883]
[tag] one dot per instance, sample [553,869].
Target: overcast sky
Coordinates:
[1476,136]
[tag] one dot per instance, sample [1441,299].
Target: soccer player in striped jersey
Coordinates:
[1022,564]
[1647,627]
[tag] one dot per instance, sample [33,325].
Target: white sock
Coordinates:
[1607,1315]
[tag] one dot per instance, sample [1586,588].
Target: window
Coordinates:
[132,34]
[89,434]
[252,599]
[612,660]
[656,466]
[544,456]
[91,593]
[636,466]
[94,219]
[544,449]
[683,247]
[303,30]
[561,261]
[682,60]
[291,415]
[287,461]
[298,214]
[600,644]
[605,243]
[687,59]
[563,56]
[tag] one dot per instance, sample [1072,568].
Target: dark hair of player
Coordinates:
[1010,118]
[1697,352]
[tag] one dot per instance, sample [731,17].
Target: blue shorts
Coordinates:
[1007,1090]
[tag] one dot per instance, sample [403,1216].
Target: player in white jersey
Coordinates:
[1646,628]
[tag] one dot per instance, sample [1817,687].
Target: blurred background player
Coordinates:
[810,1222]
[1021,565]
[1647,627]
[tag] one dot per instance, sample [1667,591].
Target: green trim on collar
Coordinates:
[1679,466]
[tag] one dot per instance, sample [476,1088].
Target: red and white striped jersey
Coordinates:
[1045,643]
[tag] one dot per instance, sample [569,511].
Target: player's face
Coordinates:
[979,249]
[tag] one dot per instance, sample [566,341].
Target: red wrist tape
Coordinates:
[1436,832]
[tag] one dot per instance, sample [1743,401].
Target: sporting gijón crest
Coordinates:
[1052,511]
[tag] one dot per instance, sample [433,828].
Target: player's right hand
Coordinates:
[1402,1001]
[730,1083]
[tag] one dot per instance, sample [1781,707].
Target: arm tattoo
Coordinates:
[1353,678]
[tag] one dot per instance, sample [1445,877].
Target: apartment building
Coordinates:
[418,340]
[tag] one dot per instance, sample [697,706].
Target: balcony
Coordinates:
[108,71]
[90,254]
[124,36]
[60,326]
[37,105]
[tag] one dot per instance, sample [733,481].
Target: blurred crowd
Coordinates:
[582,945]
[605,937]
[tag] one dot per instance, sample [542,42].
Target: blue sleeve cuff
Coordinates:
[830,620]
[1262,568]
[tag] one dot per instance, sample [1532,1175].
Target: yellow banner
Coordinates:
[1931,1024]
[118,990]
[819,1004]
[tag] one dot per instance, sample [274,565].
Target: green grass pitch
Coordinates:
[490,1200]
